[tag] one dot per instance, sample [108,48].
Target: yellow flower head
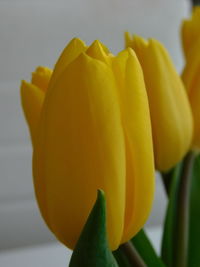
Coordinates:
[190,32]
[191,72]
[171,118]
[93,133]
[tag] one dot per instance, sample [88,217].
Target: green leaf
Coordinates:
[92,248]
[144,247]
[170,219]
[194,228]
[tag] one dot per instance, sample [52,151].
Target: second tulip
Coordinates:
[171,117]
[191,72]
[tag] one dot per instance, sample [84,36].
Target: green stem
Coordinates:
[181,236]
[167,178]
[132,255]
[195,2]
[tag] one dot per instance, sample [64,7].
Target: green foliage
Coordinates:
[168,245]
[121,258]
[194,226]
[92,247]
[195,2]
[146,250]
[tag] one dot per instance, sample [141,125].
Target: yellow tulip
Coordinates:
[94,133]
[190,32]
[191,72]
[171,118]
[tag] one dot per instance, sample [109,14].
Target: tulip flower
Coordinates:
[190,32]
[93,133]
[171,118]
[190,76]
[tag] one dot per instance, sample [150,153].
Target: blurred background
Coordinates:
[34,32]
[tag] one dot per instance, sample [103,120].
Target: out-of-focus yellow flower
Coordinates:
[171,118]
[190,32]
[94,133]
[191,72]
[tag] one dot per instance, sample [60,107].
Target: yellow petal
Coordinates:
[191,69]
[32,99]
[190,31]
[191,80]
[128,39]
[171,117]
[41,77]
[81,149]
[97,51]
[139,149]
[71,51]
[194,97]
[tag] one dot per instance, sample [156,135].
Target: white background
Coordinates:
[34,33]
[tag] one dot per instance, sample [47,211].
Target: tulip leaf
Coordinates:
[92,247]
[168,244]
[194,228]
[144,247]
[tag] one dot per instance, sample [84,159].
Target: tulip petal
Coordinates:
[32,99]
[128,39]
[194,97]
[81,149]
[190,31]
[139,149]
[192,67]
[169,107]
[97,51]
[71,51]
[41,77]
[191,80]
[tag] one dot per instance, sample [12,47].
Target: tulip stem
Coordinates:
[182,225]
[195,2]
[167,178]
[132,255]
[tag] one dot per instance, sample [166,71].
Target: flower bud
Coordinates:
[94,132]
[190,32]
[190,75]
[171,118]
